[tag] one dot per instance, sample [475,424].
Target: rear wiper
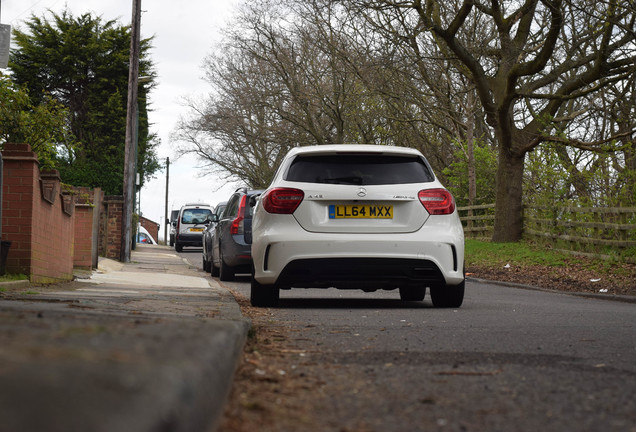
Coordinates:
[357,180]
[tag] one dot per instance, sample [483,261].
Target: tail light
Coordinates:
[282,200]
[437,201]
[237,224]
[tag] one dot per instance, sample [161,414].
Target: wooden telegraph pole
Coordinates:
[165,214]
[131,119]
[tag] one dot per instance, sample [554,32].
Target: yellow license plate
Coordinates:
[360,211]
[196,229]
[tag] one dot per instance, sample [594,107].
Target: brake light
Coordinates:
[282,200]
[237,224]
[437,201]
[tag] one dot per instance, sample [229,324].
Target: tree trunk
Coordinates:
[470,149]
[472,176]
[509,201]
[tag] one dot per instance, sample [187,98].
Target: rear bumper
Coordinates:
[360,273]
[237,253]
[190,239]
[288,255]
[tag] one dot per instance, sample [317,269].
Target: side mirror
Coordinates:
[215,218]
[254,200]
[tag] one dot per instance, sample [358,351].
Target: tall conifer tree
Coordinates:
[82,62]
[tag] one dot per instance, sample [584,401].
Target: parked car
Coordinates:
[357,217]
[174,216]
[143,236]
[208,236]
[231,244]
[190,225]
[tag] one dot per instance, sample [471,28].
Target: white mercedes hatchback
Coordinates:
[363,217]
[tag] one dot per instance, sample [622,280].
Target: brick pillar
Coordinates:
[98,197]
[83,246]
[53,230]
[110,232]
[19,188]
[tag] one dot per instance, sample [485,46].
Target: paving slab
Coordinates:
[150,345]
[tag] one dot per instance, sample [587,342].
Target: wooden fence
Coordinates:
[581,229]
[478,221]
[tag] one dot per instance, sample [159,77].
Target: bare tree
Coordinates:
[277,84]
[437,76]
[545,54]
[232,131]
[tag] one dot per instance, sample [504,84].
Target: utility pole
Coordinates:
[165,214]
[129,158]
[5,42]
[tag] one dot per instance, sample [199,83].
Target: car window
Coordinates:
[359,169]
[219,210]
[195,216]
[232,207]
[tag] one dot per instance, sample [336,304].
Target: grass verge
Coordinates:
[484,253]
[538,264]
[12,277]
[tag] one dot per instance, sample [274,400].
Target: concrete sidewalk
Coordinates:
[151,345]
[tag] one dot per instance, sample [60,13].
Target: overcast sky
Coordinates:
[185,32]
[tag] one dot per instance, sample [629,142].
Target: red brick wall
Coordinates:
[53,227]
[35,218]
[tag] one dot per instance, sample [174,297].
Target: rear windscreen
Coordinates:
[359,169]
[195,216]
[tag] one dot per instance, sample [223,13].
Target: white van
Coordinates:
[190,225]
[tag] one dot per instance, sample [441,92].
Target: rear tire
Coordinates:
[226,272]
[214,270]
[412,293]
[263,295]
[206,265]
[448,296]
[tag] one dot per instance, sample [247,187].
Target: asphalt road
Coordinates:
[508,359]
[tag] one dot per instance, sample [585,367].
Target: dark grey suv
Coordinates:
[232,238]
[208,237]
